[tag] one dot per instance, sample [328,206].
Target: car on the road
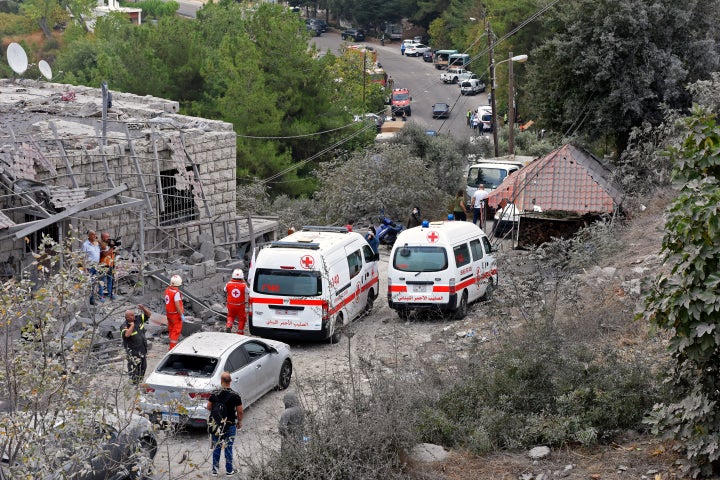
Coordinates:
[314,26]
[319,23]
[400,101]
[471,86]
[440,110]
[177,391]
[416,49]
[97,447]
[455,75]
[428,55]
[353,34]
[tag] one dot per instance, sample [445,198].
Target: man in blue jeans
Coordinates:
[226,404]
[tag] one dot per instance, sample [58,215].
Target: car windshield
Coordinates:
[188,365]
[399,97]
[293,283]
[420,259]
[490,177]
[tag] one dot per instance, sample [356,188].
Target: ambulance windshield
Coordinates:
[292,283]
[420,259]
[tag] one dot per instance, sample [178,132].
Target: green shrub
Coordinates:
[13,24]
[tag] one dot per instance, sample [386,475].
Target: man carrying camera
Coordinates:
[107,261]
[135,342]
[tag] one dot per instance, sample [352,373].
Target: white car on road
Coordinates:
[179,388]
[416,49]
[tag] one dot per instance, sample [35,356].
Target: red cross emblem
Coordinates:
[433,237]
[307,262]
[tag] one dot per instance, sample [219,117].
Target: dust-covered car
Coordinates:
[177,391]
[353,34]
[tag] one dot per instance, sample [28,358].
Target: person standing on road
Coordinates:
[135,343]
[236,300]
[478,204]
[291,424]
[459,208]
[469,116]
[415,219]
[371,239]
[402,49]
[107,259]
[91,247]
[174,309]
[223,430]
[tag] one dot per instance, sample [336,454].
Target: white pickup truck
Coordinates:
[455,75]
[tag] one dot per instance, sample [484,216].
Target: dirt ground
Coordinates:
[390,342]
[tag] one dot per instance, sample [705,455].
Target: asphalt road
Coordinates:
[424,83]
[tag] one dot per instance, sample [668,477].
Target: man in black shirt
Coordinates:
[222,430]
[135,343]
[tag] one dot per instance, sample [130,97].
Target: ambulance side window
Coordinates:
[486,244]
[354,263]
[476,249]
[462,254]
[368,254]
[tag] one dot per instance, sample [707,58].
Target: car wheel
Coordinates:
[285,375]
[337,329]
[455,80]
[370,302]
[489,290]
[461,310]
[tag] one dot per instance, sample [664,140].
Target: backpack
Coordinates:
[218,416]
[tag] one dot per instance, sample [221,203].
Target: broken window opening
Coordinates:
[35,239]
[180,205]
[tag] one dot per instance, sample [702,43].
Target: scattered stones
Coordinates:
[539,452]
[196,258]
[428,452]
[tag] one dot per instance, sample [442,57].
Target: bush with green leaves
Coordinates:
[539,387]
[685,298]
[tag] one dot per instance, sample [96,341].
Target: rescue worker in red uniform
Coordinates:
[236,301]
[174,310]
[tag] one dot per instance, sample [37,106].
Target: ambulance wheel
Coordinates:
[337,329]
[489,290]
[461,309]
[370,302]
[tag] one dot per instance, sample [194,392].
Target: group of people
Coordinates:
[474,121]
[100,258]
[478,203]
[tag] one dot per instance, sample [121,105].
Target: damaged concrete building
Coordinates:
[77,157]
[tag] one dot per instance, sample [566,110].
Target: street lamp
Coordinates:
[511,104]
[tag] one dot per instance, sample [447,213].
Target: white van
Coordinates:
[311,283]
[442,265]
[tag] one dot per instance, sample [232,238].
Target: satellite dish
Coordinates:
[17,58]
[45,69]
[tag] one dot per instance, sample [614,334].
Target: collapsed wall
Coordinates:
[136,169]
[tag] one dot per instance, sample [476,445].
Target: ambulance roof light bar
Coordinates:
[305,246]
[317,228]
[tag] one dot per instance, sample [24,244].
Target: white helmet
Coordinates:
[238,274]
[176,281]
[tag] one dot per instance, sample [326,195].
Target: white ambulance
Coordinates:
[441,265]
[311,283]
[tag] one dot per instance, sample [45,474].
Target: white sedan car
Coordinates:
[416,49]
[179,388]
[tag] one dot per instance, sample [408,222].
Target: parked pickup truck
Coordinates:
[454,75]
[471,86]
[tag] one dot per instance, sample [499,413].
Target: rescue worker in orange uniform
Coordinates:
[174,310]
[236,301]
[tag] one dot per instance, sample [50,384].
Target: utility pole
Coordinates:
[511,107]
[364,67]
[492,87]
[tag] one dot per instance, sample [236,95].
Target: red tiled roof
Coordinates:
[568,179]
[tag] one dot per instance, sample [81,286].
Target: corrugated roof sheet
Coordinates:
[568,179]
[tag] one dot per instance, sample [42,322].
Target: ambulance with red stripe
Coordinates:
[441,265]
[311,283]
